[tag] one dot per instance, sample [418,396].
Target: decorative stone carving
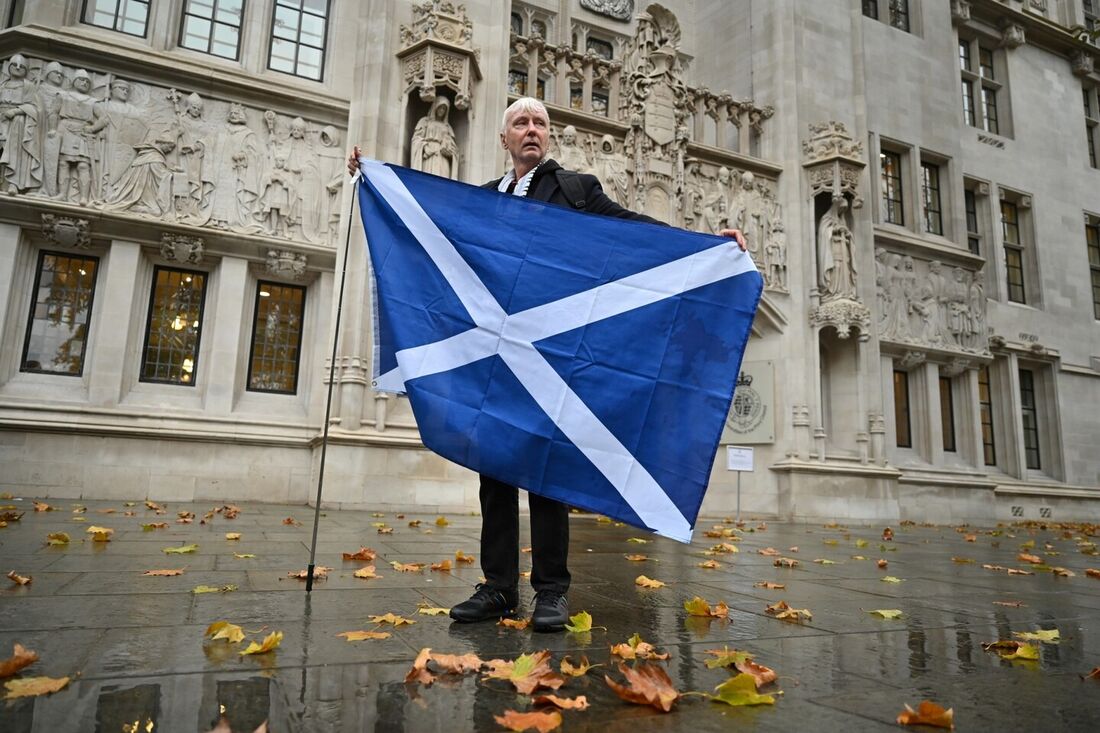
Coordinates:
[842,314]
[927,306]
[437,50]
[236,149]
[125,130]
[833,162]
[610,166]
[570,153]
[617,9]
[434,149]
[836,260]
[75,120]
[830,140]
[775,256]
[1083,63]
[912,359]
[439,20]
[955,367]
[282,263]
[181,248]
[66,231]
[1013,35]
[21,116]
[960,11]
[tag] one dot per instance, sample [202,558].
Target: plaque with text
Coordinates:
[751,419]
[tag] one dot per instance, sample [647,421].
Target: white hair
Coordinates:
[530,105]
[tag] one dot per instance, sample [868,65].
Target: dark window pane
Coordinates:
[985,403]
[985,62]
[892,210]
[1029,414]
[276,338]
[901,409]
[968,102]
[899,14]
[517,82]
[517,24]
[576,97]
[947,414]
[599,103]
[1014,270]
[933,211]
[171,352]
[600,48]
[989,110]
[1092,239]
[57,330]
[964,55]
[870,8]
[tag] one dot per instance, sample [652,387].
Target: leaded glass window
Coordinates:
[933,207]
[901,409]
[212,26]
[892,208]
[125,16]
[1030,415]
[276,338]
[985,404]
[298,32]
[1014,252]
[61,307]
[171,351]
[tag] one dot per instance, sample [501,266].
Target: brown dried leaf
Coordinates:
[579,670]
[882,564]
[541,722]
[645,582]
[646,684]
[565,703]
[1092,572]
[1025,557]
[928,713]
[462,557]
[20,579]
[154,506]
[165,573]
[419,671]
[527,672]
[458,663]
[385,530]
[365,554]
[444,566]
[635,648]
[320,572]
[292,522]
[769,552]
[33,686]
[407,567]
[514,623]
[710,564]
[783,611]
[21,657]
[768,585]
[367,572]
[760,674]
[41,506]
[785,562]
[1010,604]
[1093,675]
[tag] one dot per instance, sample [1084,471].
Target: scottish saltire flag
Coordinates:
[587,359]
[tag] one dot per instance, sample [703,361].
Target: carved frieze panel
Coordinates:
[291,265]
[103,142]
[66,231]
[182,248]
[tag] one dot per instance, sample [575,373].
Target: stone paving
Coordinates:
[133,644]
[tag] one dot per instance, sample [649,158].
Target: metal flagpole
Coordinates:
[328,401]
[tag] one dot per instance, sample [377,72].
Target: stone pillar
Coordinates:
[115,299]
[931,432]
[9,237]
[744,131]
[700,116]
[534,51]
[225,361]
[1016,460]
[561,94]
[970,420]
[586,95]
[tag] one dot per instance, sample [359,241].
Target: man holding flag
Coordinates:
[446,410]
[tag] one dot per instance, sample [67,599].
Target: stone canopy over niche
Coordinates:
[928,304]
[103,142]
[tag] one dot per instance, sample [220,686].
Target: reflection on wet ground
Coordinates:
[133,644]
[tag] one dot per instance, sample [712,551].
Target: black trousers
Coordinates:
[500,538]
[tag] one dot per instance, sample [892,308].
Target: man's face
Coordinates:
[525,137]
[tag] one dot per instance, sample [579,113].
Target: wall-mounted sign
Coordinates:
[738,458]
[751,419]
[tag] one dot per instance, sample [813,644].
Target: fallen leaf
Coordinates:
[365,554]
[858,557]
[1047,636]
[458,663]
[760,674]
[320,572]
[164,573]
[928,713]
[578,670]
[699,607]
[823,561]
[769,585]
[57,538]
[186,515]
[710,565]
[154,506]
[725,548]
[364,635]
[1092,572]
[441,521]
[636,558]
[1027,545]
[444,566]
[224,630]
[831,542]
[792,549]
[1024,557]
[638,541]
[432,611]
[1010,604]
[419,671]
[646,684]
[385,530]
[635,648]
[41,506]
[243,555]
[462,557]
[525,550]
[390,618]
[541,722]
[292,522]
[1011,649]
[785,562]
[768,552]
[971,538]
[1093,675]
[270,643]
[149,527]
[1062,573]
[527,672]
[890,579]
[861,543]
[1010,571]
[100,534]
[103,511]
[514,623]
[11,516]
[565,703]
[230,511]
[183,550]
[407,567]
[378,524]
[21,657]
[962,560]
[741,690]
[232,535]
[882,564]
[367,572]
[645,582]
[783,611]
[20,579]
[415,523]
[579,622]
[199,589]
[34,686]
[726,657]
[886,612]
[887,534]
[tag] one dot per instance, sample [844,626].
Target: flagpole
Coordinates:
[328,400]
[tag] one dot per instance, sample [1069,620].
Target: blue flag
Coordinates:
[584,358]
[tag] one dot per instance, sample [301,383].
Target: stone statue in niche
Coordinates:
[610,167]
[434,147]
[571,155]
[125,130]
[147,186]
[715,214]
[836,263]
[775,257]
[76,120]
[695,197]
[236,155]
[277,209]
[303,163]
[20,134]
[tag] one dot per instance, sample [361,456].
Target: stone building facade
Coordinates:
[917,179]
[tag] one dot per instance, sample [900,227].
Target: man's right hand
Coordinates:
[353,160]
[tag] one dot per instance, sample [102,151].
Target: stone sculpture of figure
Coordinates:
[748,213]
[305,164]
[933,310]
[895,315]
[20,133]
[434,148]
[276,201]
[610,168]
[775,257]
[976,298]
[332,164]
[725,186]
[147,185]
[882,289]
[958,307]
[76,121]
[570,154]
[49,93]
[125,130]
[715,216]
[235,155]
[836,263]
[192,150]
[911,304]
[694,198]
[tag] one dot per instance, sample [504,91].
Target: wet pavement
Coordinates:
[134,648]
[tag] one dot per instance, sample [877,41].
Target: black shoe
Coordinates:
[551,611]
[486,603]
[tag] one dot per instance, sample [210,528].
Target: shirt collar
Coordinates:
[522,185]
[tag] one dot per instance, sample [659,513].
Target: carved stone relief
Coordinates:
[437,51]
[434,147]
[836,270]
[617,9]
[926,304]
[65,231]
[103,142]
[181,248]
[286,264]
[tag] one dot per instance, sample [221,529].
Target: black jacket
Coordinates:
[546,187]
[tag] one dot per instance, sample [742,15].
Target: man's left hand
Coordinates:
[734,234]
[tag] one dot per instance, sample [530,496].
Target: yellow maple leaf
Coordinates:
[443,566]
[149,527]
[580,622]
[367,572]
[710,564]
[407,567]
[886,612]
[578,670]
[638,541]
[441,521]
[890,579]
[270,643]
[224,630]
[1012,649]
[232,535]
[182,550]
[199,589]
[364,635]
[741,690]
[390,618]
[1048,636]
[100,534]
[34,686]
[645,582]
[462,557]
[243,555]
[57,538]
[431,611]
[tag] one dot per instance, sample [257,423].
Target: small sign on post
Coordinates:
[738,459]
